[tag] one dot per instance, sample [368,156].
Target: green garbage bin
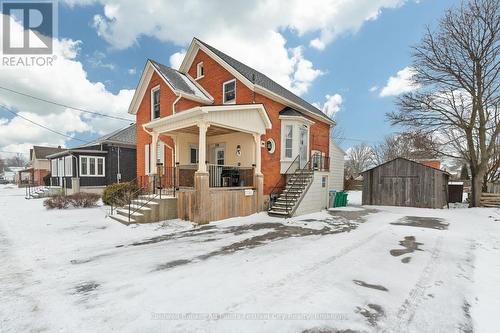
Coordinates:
[340,199]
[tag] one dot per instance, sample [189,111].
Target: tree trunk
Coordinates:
[477,177]
[485,183]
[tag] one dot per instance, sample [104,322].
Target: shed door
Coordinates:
[401,191]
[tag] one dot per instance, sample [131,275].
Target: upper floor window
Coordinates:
[229,92]
[155,102]
[199,70]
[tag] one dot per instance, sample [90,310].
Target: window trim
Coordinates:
[198,67]
[53,167]
[224,92]
[153,90]
[96,158]
[197,148]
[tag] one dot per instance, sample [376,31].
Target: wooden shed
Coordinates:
[401,182]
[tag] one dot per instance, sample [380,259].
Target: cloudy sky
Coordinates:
[348,57]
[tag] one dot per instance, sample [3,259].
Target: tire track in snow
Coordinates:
[291,277]
[19,310]
[409,307]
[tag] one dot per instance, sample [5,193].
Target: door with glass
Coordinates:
[303,146]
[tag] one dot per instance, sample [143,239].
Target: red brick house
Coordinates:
[229,135]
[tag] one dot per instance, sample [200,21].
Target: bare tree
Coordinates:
[457,68]
[407,145]
[359,158]
[17,161]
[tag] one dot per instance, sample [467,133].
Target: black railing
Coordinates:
[279,187]
[299,177]
[148,188]
[320,162]
[230,176]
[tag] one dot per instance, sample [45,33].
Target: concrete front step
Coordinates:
[122,219]
[277,213]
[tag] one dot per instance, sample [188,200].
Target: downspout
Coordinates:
[118,156]
[175,102]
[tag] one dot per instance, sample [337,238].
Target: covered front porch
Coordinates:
[216,159]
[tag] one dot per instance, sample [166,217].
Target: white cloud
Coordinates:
[132,71]
[98,60]
[251,31]
[176,59]
[400,83]
[373,88]
[332,106]
[65,82]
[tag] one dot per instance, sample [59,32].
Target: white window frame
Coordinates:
[193,146]
[224,92]
[53,168]
[96,158]
[199,70]
[68,166]
[153,90]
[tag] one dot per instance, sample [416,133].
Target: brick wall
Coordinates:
[214,76]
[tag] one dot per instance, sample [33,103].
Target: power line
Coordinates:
[42,126]
[64,105]
[12,152]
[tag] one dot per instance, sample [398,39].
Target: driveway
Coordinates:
[378,269]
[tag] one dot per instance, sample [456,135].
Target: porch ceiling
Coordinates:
[211,131]
[221,119]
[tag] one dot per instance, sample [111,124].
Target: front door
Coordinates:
[303,146]
[219,155]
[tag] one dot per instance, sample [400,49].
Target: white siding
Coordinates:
[315,199]
[336,167]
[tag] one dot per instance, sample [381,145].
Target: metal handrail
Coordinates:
[156,184]
[277,185]
[301,171]
[138,192]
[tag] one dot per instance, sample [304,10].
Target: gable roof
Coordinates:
[258,79]
[179,81]
[41,152]
[124,136]
[405,159]
[288,111]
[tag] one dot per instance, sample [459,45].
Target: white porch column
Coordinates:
[202,147]
[258,157]
[153,153]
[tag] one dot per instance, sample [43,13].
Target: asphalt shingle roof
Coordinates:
[178,80]
[288,111]
[262,80]
[42,152]
[124,136]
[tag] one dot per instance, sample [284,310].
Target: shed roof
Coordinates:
[405,159]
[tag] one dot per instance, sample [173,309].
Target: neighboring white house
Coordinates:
[336,177]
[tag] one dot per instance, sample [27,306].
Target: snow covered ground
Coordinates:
[370,269]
